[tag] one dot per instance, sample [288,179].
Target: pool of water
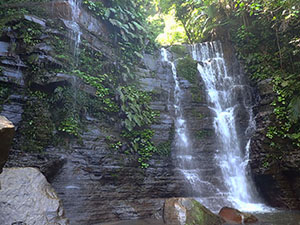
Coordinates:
[279,218]
[274,218]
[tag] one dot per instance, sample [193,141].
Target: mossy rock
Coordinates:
[187,211]
[179,50]
[197,214]
[187,68]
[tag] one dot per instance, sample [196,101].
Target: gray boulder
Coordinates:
[27,198]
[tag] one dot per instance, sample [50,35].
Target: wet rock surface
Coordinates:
[276,175]
[181,211]
[97,184]
[234,216]
[110,186]
[27,198]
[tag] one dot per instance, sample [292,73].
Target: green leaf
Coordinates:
[116,23]
[138,26]
[138,54]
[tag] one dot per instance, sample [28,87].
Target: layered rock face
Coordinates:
[7,131]
[27,198]
[97,184]
[275,172]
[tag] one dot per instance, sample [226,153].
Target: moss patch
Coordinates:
[201,134]
[187,68]
[196,94]
[199,215]
[37,127]
[179,50]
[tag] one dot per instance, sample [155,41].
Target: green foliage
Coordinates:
[197,114]
[179,50]
[27,31]
[37,127]
[197,17]
[70,126]
[268,43]
[140,143]
[196,93]
[128,21]
[164,149]
[64,108]
[103,93]
[97,8]
[202,134]
[135,108]
[187,68]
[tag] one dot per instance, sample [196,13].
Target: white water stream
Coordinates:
[226,95]
[181,131]
[73,25]
[223,92]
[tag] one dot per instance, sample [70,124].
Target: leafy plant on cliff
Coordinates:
[135,108]
[37,127]
[140,143]
[268,42]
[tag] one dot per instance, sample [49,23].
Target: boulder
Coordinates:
[181,211]
[234,216]
[7,131]
[27,198]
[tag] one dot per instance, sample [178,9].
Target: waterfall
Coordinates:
[72,24]
[226,95]
[181,132]
[217,178]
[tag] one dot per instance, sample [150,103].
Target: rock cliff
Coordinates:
[275,172]
[96,179]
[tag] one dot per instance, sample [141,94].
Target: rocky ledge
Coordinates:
[276,172]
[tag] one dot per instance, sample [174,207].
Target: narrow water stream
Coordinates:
[72,23]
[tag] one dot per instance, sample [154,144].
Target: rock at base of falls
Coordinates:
[181,211]
[27,198]
[234,216]
[7,131]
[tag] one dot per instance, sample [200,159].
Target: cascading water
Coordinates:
[226,95]
[218,178]
[73,25]
[181,136]
[186,161]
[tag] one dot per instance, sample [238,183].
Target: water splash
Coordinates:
[226,95]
